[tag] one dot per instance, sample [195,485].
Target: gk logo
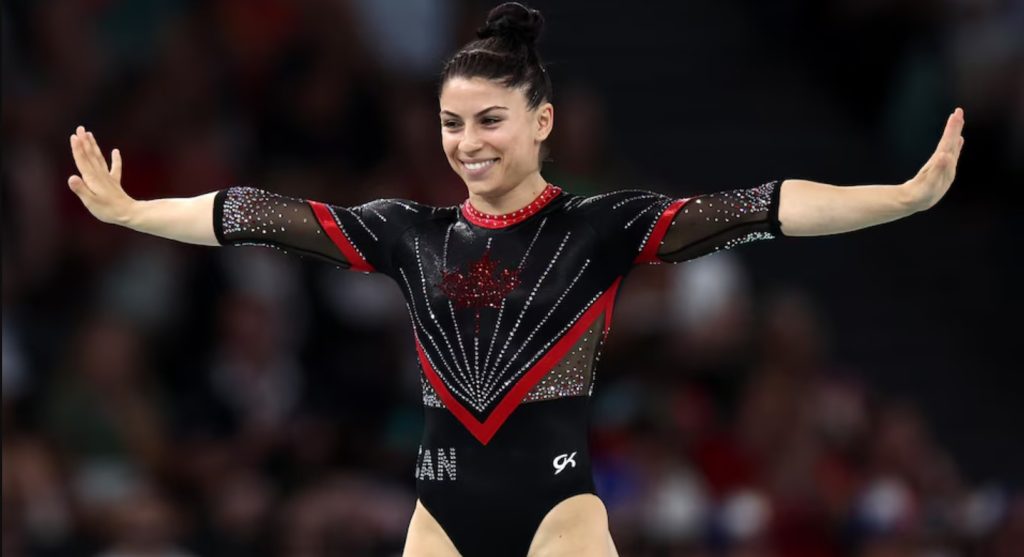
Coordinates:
[562,460]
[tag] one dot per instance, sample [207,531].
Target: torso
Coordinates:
[508,317]
[508,320]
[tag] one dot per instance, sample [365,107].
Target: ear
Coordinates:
[545,121]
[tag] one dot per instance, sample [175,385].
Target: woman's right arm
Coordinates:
[360,238]
[187,220]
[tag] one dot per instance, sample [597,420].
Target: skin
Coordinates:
[932,182]
[809,208]
[576,526]
[514,135]
[472,130]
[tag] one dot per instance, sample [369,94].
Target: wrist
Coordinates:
[128,216]
[907,197]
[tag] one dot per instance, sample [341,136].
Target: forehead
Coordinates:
[467,96]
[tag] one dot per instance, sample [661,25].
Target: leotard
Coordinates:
[509,313]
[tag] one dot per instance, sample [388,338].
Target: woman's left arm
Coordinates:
[814,209]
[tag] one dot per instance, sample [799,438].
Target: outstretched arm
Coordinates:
[359,238]
[183,219]
[814,209]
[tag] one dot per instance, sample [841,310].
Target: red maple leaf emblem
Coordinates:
[481,287]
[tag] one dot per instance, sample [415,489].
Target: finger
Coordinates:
[960,132]
[78,185]
[78,153]
[950,133]
[83,136]
[94,147]
[85,163]
[90,143]
[958,122]
[115,164]
[97,162]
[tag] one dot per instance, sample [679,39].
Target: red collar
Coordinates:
[488,220]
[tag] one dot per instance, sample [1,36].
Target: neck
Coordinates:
[511,200]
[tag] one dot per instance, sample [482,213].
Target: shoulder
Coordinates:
[395,207]
[615,200]
[380,218]
[397,211]
[619,208]
[628,216]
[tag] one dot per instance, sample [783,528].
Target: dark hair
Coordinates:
[505,51]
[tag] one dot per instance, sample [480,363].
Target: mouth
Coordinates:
[478,168]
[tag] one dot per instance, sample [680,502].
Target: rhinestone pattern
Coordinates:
[249,210]
[244,215]
[430,398]
[722,220]
[481,286]
[250,216]
[572,375]
[488,220]
[486,306]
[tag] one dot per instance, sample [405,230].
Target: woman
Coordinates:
[510,293]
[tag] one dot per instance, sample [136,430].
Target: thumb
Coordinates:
[115,164]
[78,185]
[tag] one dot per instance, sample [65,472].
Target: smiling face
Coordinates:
[490,136]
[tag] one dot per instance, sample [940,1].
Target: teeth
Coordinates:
[479,165]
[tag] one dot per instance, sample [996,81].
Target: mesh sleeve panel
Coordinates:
[722,220]
[359,238]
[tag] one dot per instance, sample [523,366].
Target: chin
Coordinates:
[483,187]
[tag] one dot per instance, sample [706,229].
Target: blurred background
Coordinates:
[851,395]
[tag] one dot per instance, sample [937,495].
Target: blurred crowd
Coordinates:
[162,399]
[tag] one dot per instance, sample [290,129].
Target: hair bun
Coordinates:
[513,22]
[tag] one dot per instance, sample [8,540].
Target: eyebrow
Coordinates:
[478,113]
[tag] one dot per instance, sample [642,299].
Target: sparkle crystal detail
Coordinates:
[729,218]
[546,279]
[481,287]
[488,220]
[430,398]
[572,375]
[250,210]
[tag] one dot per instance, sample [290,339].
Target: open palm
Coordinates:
[933,180]
[99,187]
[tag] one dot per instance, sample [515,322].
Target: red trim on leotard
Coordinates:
[488,220]
[356,261]
[485,430]
[611,305]
[649,253]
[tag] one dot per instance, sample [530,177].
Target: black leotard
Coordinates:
[509,314]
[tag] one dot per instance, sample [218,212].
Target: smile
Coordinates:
[479,165]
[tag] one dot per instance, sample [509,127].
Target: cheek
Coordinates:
[449,144]
[509,142]
[519,148]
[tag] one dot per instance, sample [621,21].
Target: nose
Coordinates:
[469,142]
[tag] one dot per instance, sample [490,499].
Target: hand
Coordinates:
[98,187]
[933,180]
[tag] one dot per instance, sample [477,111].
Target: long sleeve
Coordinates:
[722,220]
[644,227]
[358,238]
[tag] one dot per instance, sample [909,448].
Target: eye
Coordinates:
[450,124]
[488,120]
